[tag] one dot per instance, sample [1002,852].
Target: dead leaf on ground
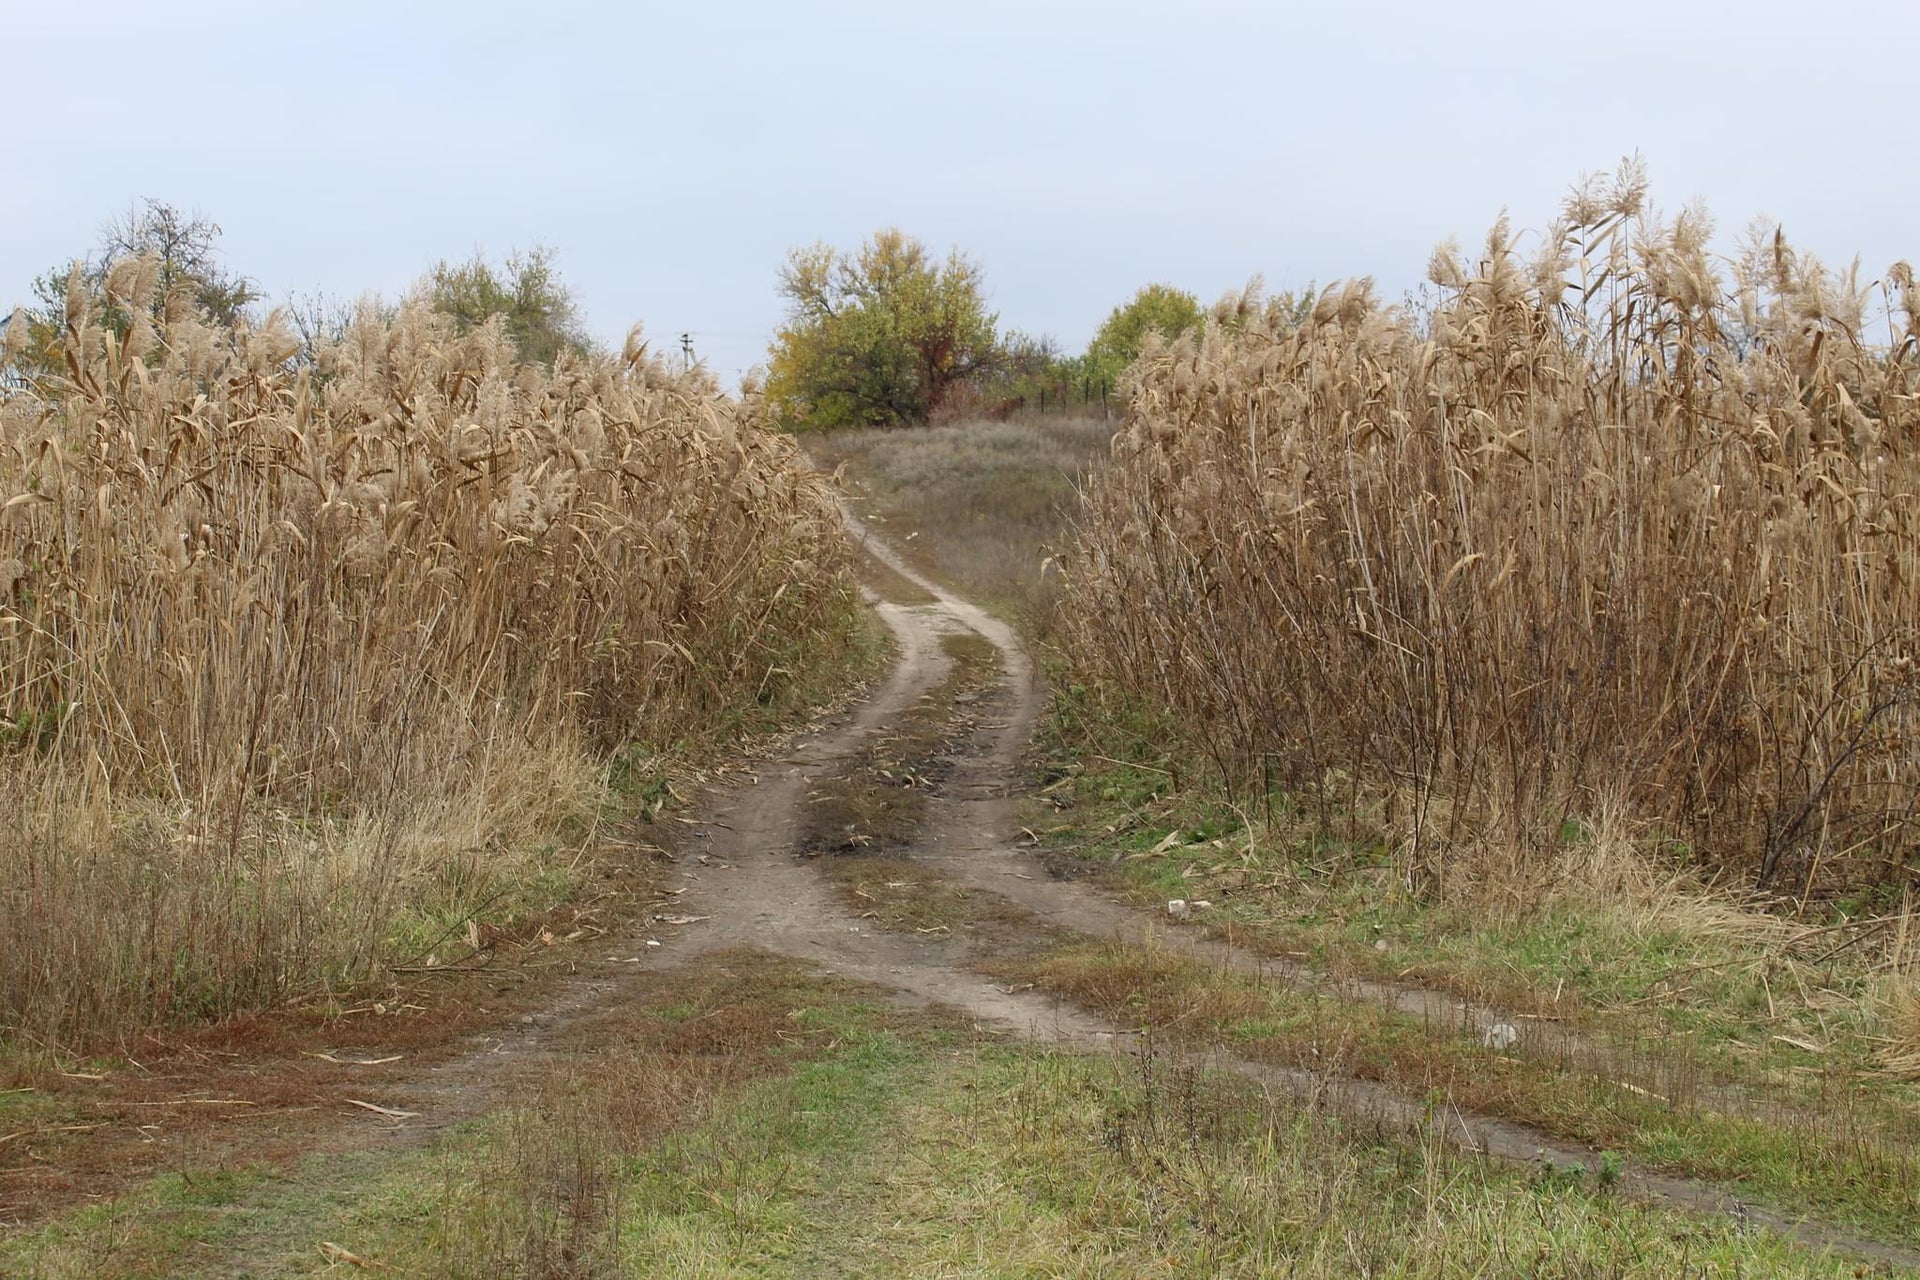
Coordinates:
[337,1254]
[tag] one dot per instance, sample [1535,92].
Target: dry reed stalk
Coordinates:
[1897,997]
[1605,525]
[239,587]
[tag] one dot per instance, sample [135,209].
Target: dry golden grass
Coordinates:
[976,505]
[292,647]
[1606,531]
[1897,996]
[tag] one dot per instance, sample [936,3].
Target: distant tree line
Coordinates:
[538,311]
[891,334]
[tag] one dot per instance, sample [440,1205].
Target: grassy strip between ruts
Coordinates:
[1793,1165]
[1644,949]
[876,801]
[763,1122]
[1025,1162]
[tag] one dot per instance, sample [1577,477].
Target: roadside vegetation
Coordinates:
[312,654]
[1157,309]
[890,335]
[1605,538]
[1595,588]
[882,335]
[1499,717]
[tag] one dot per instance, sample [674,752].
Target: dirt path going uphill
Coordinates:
[741,881]
[973,837]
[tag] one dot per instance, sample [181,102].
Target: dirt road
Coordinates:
[741,881]
[745,886]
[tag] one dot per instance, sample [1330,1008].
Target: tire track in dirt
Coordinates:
[741,884]
[970,836]
[973,837]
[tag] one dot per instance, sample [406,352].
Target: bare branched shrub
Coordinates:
[236,587]
[1609,525]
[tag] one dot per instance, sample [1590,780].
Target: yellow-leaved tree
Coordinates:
[877,336]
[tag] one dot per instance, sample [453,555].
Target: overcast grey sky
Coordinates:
[671,154]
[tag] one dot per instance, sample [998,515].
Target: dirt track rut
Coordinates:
[742,885]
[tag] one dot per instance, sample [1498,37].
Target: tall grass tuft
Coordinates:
[1611,528]
[291,644]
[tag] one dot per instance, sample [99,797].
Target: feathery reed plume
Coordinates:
[1608,525]
[243,590]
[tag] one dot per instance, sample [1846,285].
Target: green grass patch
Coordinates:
[1650,1102]
[973,505]
[866,1142]
[1030,1163]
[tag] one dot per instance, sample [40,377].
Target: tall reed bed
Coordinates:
[1607,529]
[289,646]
